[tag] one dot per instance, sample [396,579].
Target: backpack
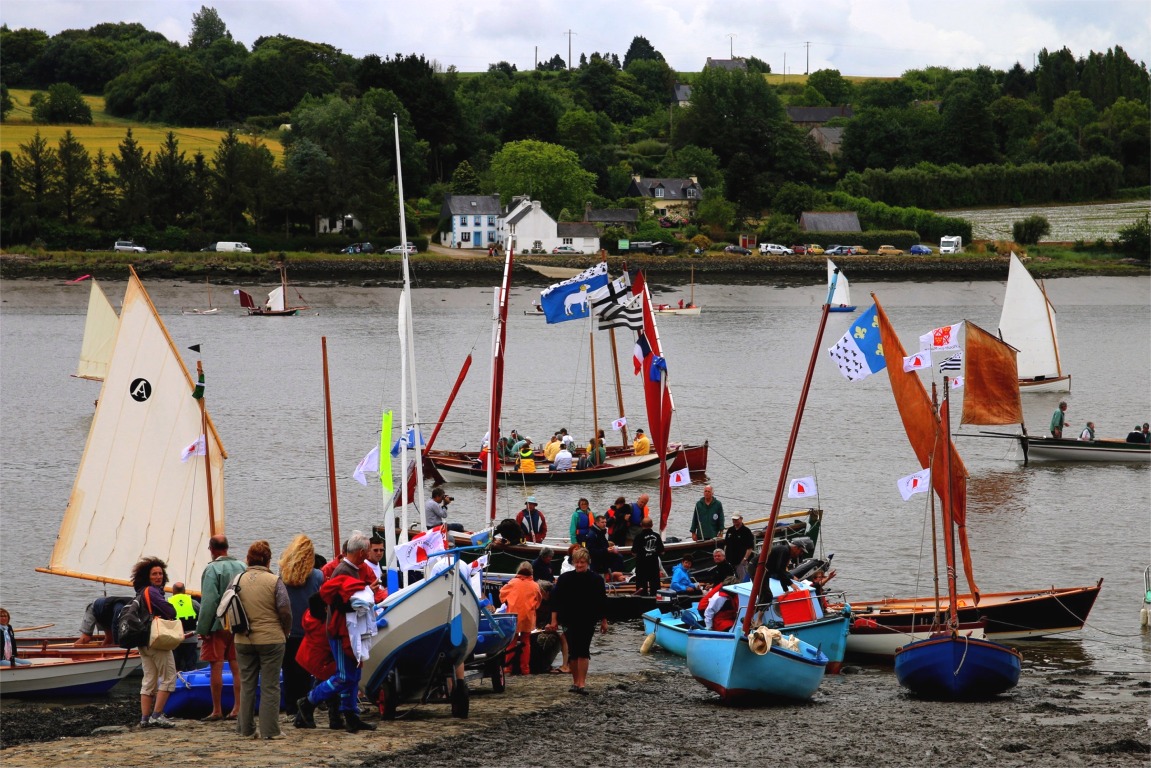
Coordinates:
[231,610]
[134,624]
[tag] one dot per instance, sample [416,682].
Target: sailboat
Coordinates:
[429,626]
[991,398]
[949,664]
[841,300]
[210,310]
[690,309]
[99,336]
[731,663]
[277,304]
[1027,323]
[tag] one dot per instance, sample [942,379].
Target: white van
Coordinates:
[229,246]
[951,244]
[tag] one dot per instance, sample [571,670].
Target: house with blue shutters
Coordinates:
[473,221]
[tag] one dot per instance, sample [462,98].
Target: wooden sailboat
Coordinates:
[1027,323]
[99,336]
[690,309]
[727,662]
[277,304]
[210,310]
[841,300]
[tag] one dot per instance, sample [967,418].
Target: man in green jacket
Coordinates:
[217,644]
[707,521]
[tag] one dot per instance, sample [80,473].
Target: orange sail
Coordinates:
[991,381]
[924,433]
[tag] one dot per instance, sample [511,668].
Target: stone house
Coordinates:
[473,221]
[667,197]
[827,139]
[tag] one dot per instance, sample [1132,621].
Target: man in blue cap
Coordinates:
[532,522]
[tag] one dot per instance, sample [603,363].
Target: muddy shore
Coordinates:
[1054,718]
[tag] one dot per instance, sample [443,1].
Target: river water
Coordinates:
[735,371]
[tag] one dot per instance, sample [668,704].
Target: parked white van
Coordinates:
[229,246]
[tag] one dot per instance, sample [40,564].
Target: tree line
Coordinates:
[1071,128]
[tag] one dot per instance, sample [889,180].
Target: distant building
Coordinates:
[728,64]
[682,94]
[627,218]
[473,220]
[332,225]
[812,117]
[531,229]
[840,221]
[665,197]
[827,139]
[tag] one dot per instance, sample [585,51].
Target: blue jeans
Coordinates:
[345,683]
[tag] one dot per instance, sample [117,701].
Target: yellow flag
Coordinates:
[386,451]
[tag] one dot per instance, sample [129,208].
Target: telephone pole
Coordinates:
[807,63]
[731,46]
[569,33]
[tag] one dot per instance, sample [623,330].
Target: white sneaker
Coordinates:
[160,721]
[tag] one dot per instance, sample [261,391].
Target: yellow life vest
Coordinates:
[183,606]
[527,463]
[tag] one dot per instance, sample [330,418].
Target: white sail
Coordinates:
[276,299]
[1028,324]
[133,494]
[842,295]
[99,336]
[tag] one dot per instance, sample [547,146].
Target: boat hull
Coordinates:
[844,308]
[1058,449]
[954,667]
[688,311]
[1047,384]
[193,694]
[1008,616]
[724,663]
[63,674]
[679,456]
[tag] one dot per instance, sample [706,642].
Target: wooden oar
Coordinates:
[32,629]
[788,516]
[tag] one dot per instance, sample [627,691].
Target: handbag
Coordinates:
[165,634]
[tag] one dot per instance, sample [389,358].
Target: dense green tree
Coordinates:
[809,97]
[504,67]
[19,50]
[1014,121]
[73,183]
[691,160]
[6,104]
[36,168]
[1053,144]
[715,212]
[884,94]
[229,182]
[1055,75]
[131,181]
[102,193]
[640,50]
[63,104]
[654,82]
[831,84]
[171,183]
[556,63]
[534,113]
[464,180]
[793,199]
[1018,83]
[281,70]
[547,172]
[1074,113]
[757,66]
[1128,125]
[175,88]
[207,28]
[967,135]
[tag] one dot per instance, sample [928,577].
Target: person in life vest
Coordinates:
[532,521]
[186,655]
[527,462]
[719,608]
[581,522]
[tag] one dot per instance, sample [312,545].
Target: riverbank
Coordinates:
[443,266]
[863,717]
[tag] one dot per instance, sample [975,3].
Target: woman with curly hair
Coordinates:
[149,576]
[302,579]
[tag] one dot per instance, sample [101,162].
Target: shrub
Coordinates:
[1136,239]
[1031,229]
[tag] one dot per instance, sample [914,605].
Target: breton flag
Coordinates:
[920,482]
[199,447]
[619,423]
[626,315]
[860,352]
[679,477]
[940,339]
[640,353]
[957,382]
[616,291]
[801,488]
[916,362]
[570,299]
[953,363]
[369,462]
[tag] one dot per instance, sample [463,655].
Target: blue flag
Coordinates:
[860,352]
[569,300]
[410,440]
[658,368]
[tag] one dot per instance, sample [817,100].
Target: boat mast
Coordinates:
[284,284]
[595,441]
[761,566]
[207,450]
[500,300]
[618,387]
[1051,329]
[948,526]
[691,300]
[333,505]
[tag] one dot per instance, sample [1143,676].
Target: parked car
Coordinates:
[889,250]
[410,248]
[814,249]
[567,250]
[839,250]
[859,250]
[364,248]
[773,249]
[799,249]
[736,249]
[127,246]
[921,250]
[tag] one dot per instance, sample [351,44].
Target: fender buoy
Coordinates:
[647,644]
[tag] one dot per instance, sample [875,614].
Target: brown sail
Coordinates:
[991,380]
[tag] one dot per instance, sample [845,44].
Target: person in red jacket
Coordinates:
[532,522]
[315,655]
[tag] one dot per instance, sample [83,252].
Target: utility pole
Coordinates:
[785,65]
[537,66]
[807,63]
[731,46]
[569,33]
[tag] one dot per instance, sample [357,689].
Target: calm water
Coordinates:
[735,372]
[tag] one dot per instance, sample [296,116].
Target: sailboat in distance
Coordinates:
[210,310]
[1027,323]
[277,304]
[841,299]
[99,336]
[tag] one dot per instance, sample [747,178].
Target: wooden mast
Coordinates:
[333,506]
[618,387]
[207,449]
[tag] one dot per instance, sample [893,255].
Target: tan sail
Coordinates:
[133,494]
[991,383]
[99,336]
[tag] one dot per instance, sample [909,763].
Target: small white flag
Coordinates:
[920,482]
[619,423]
[801,488]
[679,477]
[940,339]
[480,563]
[915,362]
[371,462]
[198,448]
[957,382]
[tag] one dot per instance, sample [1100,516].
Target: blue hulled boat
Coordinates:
[724,663]
[951,665]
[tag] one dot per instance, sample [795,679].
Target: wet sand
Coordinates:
[656,717]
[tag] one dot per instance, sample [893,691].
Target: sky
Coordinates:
[873,38]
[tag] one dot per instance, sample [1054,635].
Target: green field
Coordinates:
[107,131]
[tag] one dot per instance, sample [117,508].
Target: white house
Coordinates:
[532,229]
[473,220]
[330,225]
